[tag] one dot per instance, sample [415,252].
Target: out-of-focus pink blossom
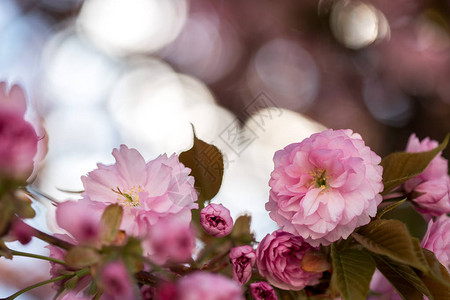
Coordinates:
[208,286]
[116,282]
[73,296]
[21,232]
[57,269]
[262,291]
[147,191]
[216,220]
[242,259]
[147,292]
[437,239]
[171,240]
[431,188]
[325,186]
[381,286]
[279,259]
[437,168]
[18,139]
[80,218]
[433,196]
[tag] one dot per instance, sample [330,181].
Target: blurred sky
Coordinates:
[252,76]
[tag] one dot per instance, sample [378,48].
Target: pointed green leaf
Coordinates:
[110,223]
[390,207]
[206,164]
[79,257]
[402,277]
[390,238]
[71,283]
[401,166]
[352,272]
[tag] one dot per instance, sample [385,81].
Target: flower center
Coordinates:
[320,179]
[129,198]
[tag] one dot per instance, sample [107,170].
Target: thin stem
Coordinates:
[18,253]
[49,238]
[14,296]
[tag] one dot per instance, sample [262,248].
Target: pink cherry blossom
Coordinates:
[208,286]
[18,138]
[216,220]
[325,186]
[147,191]
[242,259]
[262,291]
[116,282]
[437,239]
[430,190]
[73,296]
[171,240]
[279,259]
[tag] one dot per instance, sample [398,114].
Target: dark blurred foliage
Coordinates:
[384,90]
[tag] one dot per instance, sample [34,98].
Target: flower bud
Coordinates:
[216,220]
[262,291]
[242,259]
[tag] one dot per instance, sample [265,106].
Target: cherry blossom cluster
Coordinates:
[142,229]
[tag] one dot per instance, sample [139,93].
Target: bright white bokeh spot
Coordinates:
[75,73]
[129,26]
[153,107]
[357,24]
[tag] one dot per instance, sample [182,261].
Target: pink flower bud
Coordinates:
[80,218]
[262,291]
[116,282]
[279,258]
[171,239]
[216,220]
[21,231]
[243,259]
[18,139]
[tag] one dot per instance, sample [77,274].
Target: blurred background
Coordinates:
[252,76]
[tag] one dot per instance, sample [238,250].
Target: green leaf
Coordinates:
[241,233]
[438,279]
[206,164]
[413,220]
[79,257]
[401,166]
[402,277]
[71,283]
[390,238]
[110,223]
[390,207]
[352,272]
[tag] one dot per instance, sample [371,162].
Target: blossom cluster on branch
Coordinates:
[153,230]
